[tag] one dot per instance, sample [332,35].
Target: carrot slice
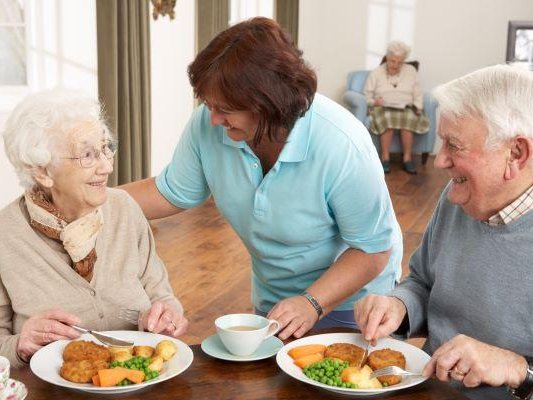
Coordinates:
[309,359]
[135,375]
[112,376]
[96,380]
[302,351]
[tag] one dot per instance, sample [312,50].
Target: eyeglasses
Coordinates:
[88,158]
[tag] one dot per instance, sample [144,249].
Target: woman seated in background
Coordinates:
[73,251]
[395,102]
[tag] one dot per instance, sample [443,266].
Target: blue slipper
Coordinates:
[386,166]
[409,167]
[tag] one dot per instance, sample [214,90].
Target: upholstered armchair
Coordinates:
[356,102]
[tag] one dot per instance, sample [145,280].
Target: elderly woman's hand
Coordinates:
[163,318]
[44,328]
[295,315]
[378,316]
[473,362]
[379,102]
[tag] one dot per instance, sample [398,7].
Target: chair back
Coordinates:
[357,79]
[414,63]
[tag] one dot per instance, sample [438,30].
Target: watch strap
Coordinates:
[314,302]
[525,389]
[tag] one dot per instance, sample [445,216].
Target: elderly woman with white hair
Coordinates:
[471,281]
[395,102]
[73,251]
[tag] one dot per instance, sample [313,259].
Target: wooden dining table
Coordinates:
[211,378]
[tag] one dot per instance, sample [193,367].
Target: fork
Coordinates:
[127,314]
[392,370]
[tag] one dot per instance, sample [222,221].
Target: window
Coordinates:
[12,43]
[46,44]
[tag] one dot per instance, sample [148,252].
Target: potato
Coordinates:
[166,349]
[114,350]
[121,356]
[143,351]
[156,364]
[359,377]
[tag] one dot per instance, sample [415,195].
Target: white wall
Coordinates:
[449,38]
[172,49]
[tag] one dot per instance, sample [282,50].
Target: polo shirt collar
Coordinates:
[297,146]
[230,142]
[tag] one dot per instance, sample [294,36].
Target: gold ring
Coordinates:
[457,372]
[174,325]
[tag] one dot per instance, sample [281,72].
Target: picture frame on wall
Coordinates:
[520,43]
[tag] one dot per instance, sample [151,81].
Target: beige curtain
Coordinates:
[212,17]
[287,16]
[123,38]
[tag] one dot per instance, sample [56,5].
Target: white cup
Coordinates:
[14,390]
[244,342]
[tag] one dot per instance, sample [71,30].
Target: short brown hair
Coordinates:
[255,66]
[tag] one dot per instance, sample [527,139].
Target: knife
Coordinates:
[365,355]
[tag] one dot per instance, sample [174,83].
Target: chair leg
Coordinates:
[424,158]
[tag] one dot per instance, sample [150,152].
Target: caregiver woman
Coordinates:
[295,174]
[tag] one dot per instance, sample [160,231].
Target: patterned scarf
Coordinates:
[78,237]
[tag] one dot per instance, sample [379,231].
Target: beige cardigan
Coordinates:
[36,273]
[407,90]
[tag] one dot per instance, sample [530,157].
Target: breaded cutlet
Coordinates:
[346,352]
[384,358]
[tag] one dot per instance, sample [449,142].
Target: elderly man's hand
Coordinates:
[44,328]
[163,318]
[378,316]
[295,315]
[473,362]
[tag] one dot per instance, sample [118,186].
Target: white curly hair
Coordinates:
[27,138]
[501,95]
[397,48]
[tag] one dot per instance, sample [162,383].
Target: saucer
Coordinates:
[214,347]
[14,390]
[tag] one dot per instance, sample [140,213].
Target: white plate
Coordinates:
[415,358]
[213,346]
[46,362]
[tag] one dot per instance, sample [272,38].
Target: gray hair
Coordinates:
[27,138]
[501,95]
[398,48]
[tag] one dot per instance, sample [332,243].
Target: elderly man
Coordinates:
[471,278]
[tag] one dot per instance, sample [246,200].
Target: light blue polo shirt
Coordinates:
[326,192]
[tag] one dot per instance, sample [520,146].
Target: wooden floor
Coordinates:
[209,267]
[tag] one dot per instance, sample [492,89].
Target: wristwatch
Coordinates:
[525,390]
[314,302]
